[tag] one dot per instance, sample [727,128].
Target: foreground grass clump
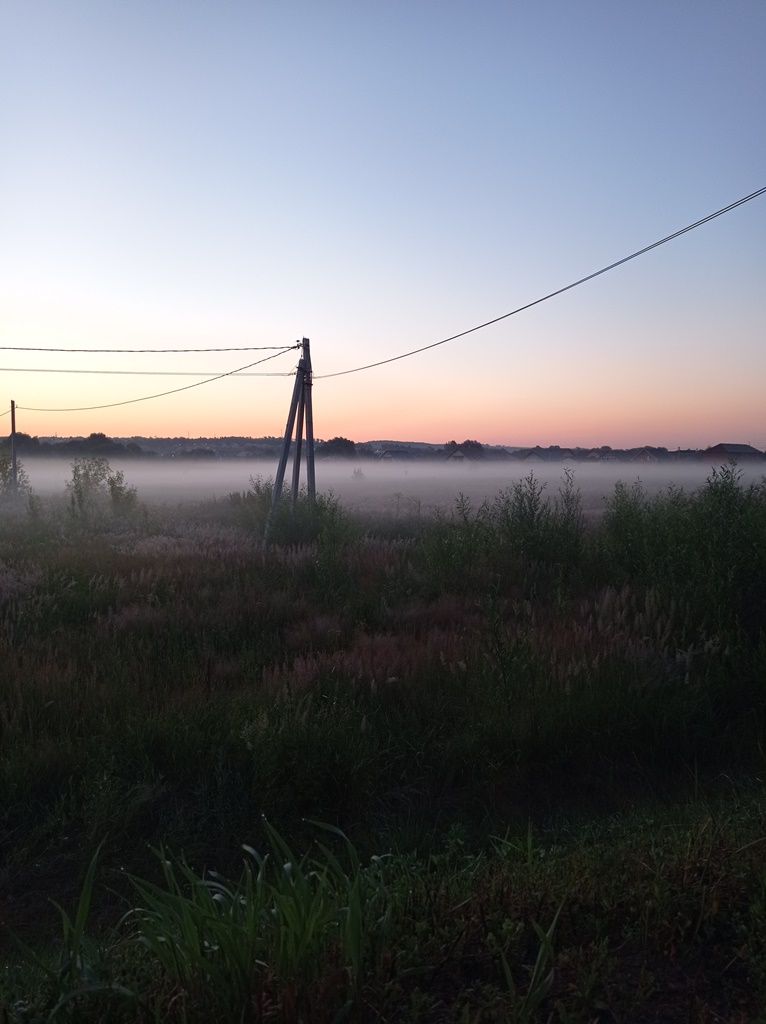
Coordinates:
[651,916]
[168,680]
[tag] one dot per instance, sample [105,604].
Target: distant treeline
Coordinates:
[95,444]
[342,447]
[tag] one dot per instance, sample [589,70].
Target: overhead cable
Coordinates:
[138,373]
[162,394]
[144,351]
[550,295]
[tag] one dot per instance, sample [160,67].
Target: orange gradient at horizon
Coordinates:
[419,175]
[690,409]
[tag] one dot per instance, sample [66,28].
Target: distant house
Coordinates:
[538,454]
[534,455]
[644,454]
[456,454]
[733,451]
[470,450]
[395,454]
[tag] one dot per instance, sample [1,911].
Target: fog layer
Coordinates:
[397,488]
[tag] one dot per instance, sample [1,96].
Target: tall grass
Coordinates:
[183,673]
[708,548]
[571,924]
[174,679]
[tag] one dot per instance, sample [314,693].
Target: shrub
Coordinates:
[521,536]
[707,548]
[10,491]
[95,489]
[320,520]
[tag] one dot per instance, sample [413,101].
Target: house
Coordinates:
[391,454]
[534,455]
[456,455]
[644,454]
[732,451]
[467,450]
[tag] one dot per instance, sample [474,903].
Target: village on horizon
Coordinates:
[340,447]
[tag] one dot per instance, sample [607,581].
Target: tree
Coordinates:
[9,490]
[94,485]
[473,449]
[337,447]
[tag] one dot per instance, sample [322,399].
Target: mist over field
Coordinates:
[391,488]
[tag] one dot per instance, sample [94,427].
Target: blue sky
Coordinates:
[378,175]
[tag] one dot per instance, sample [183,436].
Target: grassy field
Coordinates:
[494,765]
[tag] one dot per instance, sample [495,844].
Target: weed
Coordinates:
[94,487]
[499,670]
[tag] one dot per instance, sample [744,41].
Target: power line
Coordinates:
[138,373]
[162,394]
[144,351]
[551,295]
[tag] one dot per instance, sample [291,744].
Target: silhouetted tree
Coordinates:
[473,449]
[337,447]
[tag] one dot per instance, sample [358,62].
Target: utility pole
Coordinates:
[301,409]
[307,391]
[14,465]
[280,477]
[299,440]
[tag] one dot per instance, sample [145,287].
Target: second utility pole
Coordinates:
[14,464]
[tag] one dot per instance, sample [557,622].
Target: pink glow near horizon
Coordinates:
[422,174]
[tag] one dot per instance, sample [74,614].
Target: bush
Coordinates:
[306,521]
[96,489]
[708,548]
[18,493]
[521,536]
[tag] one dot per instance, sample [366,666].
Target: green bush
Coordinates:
[522,538]
[96,491]
[299,522]
[12,492]
[707,548]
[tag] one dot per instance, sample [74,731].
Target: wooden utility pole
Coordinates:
[301,409]
[307,391]
[14,465]
[298,442]
[280,477]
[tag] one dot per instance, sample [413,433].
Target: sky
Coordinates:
[377,176]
